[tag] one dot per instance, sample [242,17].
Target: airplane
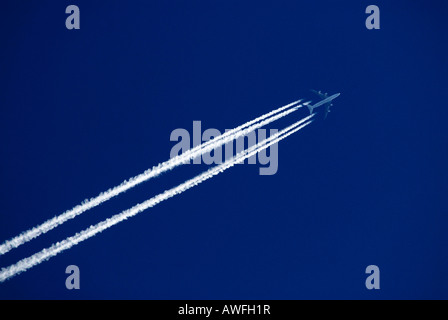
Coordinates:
[326,102]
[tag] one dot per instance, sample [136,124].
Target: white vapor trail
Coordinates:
[69,242]
[148,174]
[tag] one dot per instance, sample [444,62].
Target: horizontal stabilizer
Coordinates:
[311,108]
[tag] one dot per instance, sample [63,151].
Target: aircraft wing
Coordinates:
[320,94]
[327,109]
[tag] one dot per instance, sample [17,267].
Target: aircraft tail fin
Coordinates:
[310,108]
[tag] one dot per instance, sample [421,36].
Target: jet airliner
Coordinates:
[326,102]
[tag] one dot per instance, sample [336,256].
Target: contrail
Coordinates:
[69,242]
[148,174]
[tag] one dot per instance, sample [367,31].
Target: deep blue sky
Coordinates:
[82,110]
